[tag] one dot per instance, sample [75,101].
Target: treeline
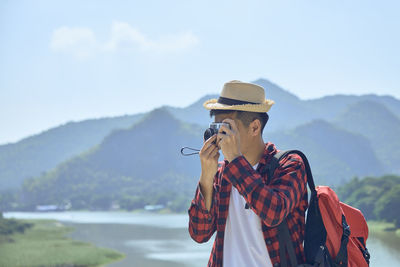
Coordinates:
[172,201]
[377,198]
[105,194]
[131,169]
[11,226]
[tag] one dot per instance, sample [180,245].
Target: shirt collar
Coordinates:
[269,151]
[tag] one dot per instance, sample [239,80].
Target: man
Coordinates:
[236,198]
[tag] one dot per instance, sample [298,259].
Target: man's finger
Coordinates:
[216,156]
[221,142]
[214,151]
[232,123]
[207,149]
[212,148]
[209,141]
[226,130]
[220,136]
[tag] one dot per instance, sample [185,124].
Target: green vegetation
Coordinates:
[44,243]
[377,198]
[380,126]
[331,163]
[379,227]
[130,169]
[141,165]
[11,226]
[386,232]
[32,155]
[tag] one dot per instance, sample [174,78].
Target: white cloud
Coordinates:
[82,42]
[124,34]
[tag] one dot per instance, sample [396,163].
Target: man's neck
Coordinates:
[255,153]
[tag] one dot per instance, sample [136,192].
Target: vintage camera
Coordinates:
[214,128]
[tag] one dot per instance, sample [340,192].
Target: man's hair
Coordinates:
[245,117]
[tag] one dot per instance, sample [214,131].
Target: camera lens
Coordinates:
[208,133]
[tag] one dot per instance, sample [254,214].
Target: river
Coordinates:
[162,240]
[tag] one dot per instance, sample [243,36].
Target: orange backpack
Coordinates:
[335,234]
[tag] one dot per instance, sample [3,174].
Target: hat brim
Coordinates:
[264,107]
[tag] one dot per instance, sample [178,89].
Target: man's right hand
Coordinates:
[209,155]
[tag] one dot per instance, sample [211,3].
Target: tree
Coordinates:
[387,206]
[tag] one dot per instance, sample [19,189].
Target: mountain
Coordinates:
[335,155]
[288,111]
[285,103]
[142,162]
[194,113]
[142,165]
[41,152]
[379,125]
[329,107]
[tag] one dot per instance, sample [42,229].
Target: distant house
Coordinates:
[44,208]
[153,207]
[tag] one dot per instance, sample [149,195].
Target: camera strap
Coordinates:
[189,148]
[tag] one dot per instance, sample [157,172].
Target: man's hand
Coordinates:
[209,166]
[229,142]
[209,160]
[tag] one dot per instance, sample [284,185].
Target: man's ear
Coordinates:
[255,127]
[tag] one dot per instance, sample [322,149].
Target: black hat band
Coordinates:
[231,102]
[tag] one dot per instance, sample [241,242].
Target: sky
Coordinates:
[72,60]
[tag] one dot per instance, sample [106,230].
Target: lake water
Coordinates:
[162,240]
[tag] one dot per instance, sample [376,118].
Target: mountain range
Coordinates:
[114,159]
[143,160]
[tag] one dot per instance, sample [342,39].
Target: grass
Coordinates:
[386,232]
[45,244]
[378,227]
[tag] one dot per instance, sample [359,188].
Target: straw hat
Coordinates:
[237,95]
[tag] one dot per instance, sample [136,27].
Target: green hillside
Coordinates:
[335,155]
[37,154]
[377,197]
[329,107]
[377,123]
[41,152]
[134,167]
[129,160]
[142,165]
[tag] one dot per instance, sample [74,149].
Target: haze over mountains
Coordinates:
[128,165]
[38,153]
[95,163]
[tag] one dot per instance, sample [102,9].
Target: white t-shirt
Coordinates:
[244,243]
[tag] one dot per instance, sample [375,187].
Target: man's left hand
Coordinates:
[229,142]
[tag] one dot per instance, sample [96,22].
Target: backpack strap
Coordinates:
[274,164]
[342,257]
[285,241]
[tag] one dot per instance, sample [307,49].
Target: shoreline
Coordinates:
[161,240]
[47,243]
[378,227]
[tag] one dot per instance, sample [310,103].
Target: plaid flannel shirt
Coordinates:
[272,198]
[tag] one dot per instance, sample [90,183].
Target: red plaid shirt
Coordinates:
[272,199]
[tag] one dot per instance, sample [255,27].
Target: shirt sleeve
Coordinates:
[272,202]
[202,223]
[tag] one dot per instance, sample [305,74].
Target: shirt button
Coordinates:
[276,264]
[209,219]
[269,242]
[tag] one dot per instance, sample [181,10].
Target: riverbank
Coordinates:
[162,240]
[376,227]
[46,244]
